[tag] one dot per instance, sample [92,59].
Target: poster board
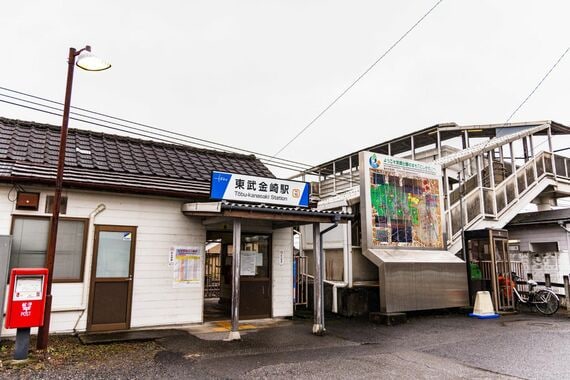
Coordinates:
[401,203]
[187,264]
[248,263]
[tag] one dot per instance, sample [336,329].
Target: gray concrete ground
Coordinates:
[437,346]
[447,346]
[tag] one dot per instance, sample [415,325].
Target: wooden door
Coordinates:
[111,288]
[255,289]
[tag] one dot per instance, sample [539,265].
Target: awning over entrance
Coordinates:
[280,217]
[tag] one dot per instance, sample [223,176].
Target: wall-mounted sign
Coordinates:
[186,262]
[402,203]
[247,264]
[245,188]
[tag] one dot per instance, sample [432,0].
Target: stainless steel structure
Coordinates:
[419,279]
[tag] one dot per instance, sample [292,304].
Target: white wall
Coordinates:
[282,287]
[539,234]
[334,239]
[160,225]
[557,264]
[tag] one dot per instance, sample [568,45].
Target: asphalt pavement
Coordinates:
[436,346]
[444,346]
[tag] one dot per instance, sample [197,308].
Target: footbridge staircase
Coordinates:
[494,184]
[490,173]
[485,183]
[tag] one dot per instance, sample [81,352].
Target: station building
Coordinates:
[140,242]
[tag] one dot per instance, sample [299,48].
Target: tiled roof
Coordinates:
[29,150]
[537,217]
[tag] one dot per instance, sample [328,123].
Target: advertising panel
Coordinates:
[245,188]
[401,203]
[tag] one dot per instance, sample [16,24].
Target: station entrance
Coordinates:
[255,276]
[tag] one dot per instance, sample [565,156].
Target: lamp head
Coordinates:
[90,62]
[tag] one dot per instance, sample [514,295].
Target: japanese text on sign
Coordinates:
[187,268]
[245,188]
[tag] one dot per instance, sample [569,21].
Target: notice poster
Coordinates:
[28,288]
[187,268]
[247,264]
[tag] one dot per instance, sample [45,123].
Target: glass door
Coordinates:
[111,278]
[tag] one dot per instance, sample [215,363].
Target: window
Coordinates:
[260,245]
[544,247]
[30,241]
[62,205]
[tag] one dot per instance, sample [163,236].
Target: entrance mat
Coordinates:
[128,336]
[222,326]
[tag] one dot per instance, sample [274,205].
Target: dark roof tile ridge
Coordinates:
[126,139]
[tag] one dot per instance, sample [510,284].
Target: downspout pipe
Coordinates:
[88,261]
[561,224]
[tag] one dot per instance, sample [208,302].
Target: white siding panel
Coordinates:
[67,296]
[334,239]
[6,208]
[160,225]
[539,234]
[282,276]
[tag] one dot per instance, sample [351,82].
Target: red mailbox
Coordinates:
[27,298]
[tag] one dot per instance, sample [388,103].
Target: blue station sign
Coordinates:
[246,188]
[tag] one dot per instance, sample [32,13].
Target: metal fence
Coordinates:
[212,275]
[300,281]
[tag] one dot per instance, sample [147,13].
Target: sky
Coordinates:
[252,74]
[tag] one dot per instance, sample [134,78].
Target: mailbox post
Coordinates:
[26,303]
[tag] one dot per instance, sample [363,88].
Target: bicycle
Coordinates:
[545,300]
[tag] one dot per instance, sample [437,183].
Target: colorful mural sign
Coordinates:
[402,205]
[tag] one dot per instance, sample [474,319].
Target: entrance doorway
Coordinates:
[111,287]
[490,267]
[255,276]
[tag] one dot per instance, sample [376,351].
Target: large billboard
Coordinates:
[401,203]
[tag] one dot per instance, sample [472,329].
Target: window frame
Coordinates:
[85,222]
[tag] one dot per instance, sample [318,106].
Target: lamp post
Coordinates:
[86,61]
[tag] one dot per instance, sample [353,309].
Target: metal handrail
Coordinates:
[546,171]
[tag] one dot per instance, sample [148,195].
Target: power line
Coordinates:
[149,127]
[266,159]
[165,140]
[281,163]
[357,79]
[146,126]
[538,85]
[505,124]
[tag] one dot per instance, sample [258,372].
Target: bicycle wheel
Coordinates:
[546,302]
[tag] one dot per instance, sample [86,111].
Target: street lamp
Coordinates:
[84,59]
